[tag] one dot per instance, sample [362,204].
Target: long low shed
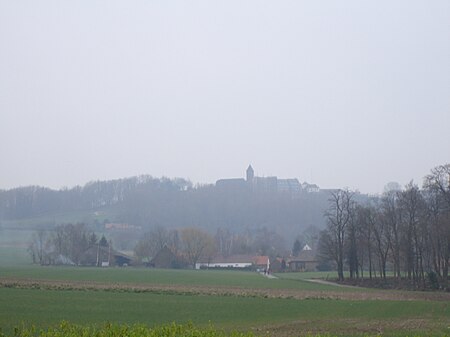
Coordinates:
[223,265]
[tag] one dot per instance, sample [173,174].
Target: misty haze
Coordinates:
[204,168]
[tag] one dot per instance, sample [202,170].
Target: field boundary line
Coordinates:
[220,290]
[329,283]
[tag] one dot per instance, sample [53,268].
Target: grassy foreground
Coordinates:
[65,329]
[45,296]
[44,308]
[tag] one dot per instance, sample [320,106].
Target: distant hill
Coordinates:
[146,201]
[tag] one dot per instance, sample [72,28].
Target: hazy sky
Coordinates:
[340,93]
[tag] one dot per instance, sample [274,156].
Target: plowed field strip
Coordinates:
[222,290]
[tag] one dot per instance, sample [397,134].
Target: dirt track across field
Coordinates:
[224,291]
[328,283]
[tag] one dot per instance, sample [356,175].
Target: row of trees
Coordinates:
[406,230]
[194,243]
[171,203]
[32,201]
[75,244]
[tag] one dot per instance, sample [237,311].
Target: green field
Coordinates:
[243,279]
[245,301]
[275,316]
[48,307]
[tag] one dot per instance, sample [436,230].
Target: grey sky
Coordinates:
[341,93]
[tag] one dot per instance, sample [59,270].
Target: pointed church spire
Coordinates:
[250,173]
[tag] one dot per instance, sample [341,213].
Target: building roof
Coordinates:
[304,256]
[257,260]
[261,260]
[289,185]
[231,183]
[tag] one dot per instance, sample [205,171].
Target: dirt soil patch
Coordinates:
[224,291]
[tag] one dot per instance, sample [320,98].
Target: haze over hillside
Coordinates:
[283,206]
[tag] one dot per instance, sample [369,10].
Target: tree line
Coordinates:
[194,243]
[75,244]
[150,202]
[32,201]
[406,231]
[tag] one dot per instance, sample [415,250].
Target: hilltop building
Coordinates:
[310,188]
[250,174]
[261,184]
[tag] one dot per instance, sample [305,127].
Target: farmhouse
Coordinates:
[121,259]
[166,258]
[261,263]
[235,262]
[93,256]
[103,256]
[305,261]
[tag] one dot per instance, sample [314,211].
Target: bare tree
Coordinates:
[154,240]
[59,240]
[339,216]
[224,241]
[196,244]
[409,228]
[381,235]
[77,241]
[366,218]
[160,237]
[352,247]
[310,236]
[144,248]
[268,242]
[39,247]
[439,181]
[392,218]
[174,242]
[412,204]
[438,186]
[327,247]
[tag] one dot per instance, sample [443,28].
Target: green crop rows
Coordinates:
[44,307]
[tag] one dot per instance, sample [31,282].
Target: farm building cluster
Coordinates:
[305,261]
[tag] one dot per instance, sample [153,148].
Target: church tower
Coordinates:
[250,174]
